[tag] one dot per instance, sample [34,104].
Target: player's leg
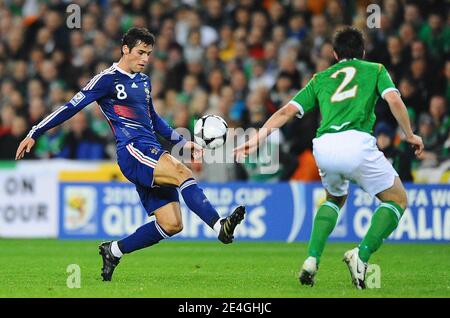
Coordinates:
[137,162]
[332,169]
[171,172]
[324,222]
[378,178]
[168,223]
[384,220]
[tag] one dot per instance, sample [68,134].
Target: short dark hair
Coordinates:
[134,36]
[348,43]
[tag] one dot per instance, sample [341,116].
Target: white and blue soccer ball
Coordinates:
[210,131]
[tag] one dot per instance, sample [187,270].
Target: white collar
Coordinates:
[115,65]
[344,60]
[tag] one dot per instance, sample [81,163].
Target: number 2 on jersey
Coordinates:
[340,95]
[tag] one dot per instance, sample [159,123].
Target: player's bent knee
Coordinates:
[402,200]
[338,200]
[172,228]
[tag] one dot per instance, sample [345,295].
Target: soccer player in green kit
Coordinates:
[345,150]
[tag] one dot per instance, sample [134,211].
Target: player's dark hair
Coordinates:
[135,36]
[348,43]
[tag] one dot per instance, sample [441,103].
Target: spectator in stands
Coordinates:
[36,111]
[441,119]
[410,95]
[232,47]
[7,115]
[396,63]
[282,91]
[412,15]
[10,141]
[193,50]
[259,78]
[81,142]
[399,158]
[429,157]
[436,35]
[297,29]
[50,145]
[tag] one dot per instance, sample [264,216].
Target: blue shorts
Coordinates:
[137,163]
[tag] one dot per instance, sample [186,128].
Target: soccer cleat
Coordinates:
[356,267]
[109,260]
[309,270]
[228,224]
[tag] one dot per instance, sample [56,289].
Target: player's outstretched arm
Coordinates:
[400,113]
[97,87]
[277,120]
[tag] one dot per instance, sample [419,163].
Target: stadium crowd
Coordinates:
[240,59]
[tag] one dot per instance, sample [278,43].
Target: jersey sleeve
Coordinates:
[305,100]
[385,84]
[97,88]
[162,127]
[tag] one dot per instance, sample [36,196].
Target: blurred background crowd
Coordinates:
[240,59]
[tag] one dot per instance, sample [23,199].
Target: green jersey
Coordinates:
[346,94]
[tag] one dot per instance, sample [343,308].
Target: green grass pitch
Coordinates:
[37,268]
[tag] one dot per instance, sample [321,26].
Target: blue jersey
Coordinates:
[125,101]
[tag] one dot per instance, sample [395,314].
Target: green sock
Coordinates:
[324,223]
[384,222]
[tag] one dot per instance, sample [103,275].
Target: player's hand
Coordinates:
[417,143]
[246,149]
[25,146]
[197,150]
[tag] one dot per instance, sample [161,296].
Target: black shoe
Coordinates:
[309,270]
[109,260]
[306,278]
[228,224]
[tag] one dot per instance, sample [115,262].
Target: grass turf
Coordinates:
[37,268]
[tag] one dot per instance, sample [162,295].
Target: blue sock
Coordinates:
[147,235]
[196,201]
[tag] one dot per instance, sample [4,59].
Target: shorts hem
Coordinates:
[152,212]
[336,194]
[383,187]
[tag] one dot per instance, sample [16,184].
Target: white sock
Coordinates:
[217,226]
[115,250]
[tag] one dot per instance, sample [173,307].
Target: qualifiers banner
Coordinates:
[275,212]
[113,210]
[28,203]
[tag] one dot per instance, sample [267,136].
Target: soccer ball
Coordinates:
[210,131]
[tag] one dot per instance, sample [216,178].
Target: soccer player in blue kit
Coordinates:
[123,94]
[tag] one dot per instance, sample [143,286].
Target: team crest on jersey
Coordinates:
[77,98]
[154,151]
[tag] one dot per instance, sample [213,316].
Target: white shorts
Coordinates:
[352,156]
